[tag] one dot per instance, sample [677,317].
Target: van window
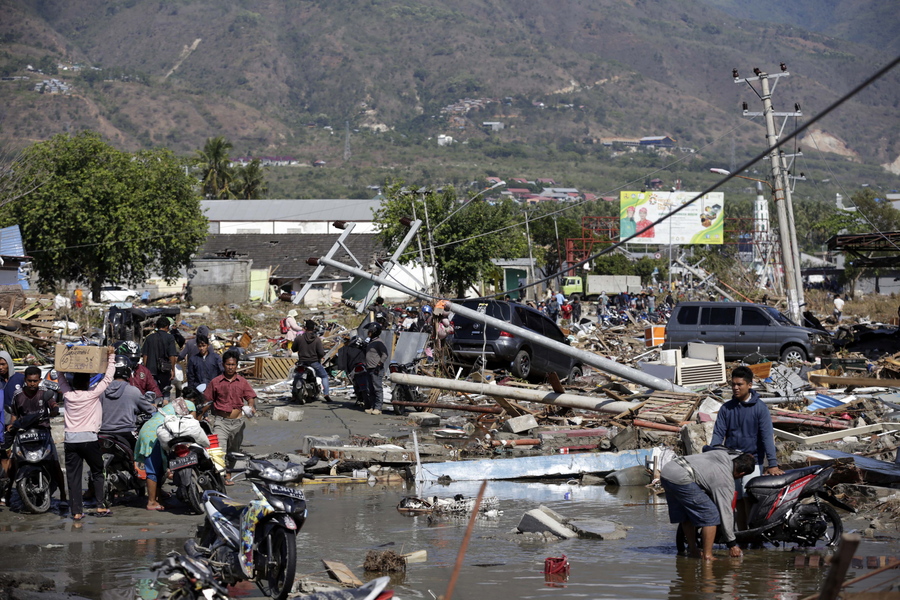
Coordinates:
[687,315]
[714,315]
[753,316]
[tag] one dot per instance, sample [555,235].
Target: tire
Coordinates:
[194,493]
[34,496]
[521,366]
[401,393]
[793,354]
[574,374]
[297,393]
[835,527]
[276,563]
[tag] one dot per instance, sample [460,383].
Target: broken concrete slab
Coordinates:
[387,453]
[424,419]
[696,435]
[599,529]
[520,424]
[538,521]
[287,413]
[310,441]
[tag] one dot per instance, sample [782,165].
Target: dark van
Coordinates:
[471,340]
[744,328]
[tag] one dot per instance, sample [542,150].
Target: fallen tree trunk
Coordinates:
[544,397]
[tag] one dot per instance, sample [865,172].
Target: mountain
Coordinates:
[270,74]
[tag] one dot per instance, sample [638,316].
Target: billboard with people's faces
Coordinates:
[703,222]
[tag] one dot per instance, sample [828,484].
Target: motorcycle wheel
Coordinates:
[834,525]
[194,493]
[35,497]
[402,394]
[277,563]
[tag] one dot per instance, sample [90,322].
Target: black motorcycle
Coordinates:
[795,507]
[119,474]
[305,385]
[401,392]
[256,541]
[32,451]
[193,470]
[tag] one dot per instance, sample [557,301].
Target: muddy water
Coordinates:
[107,558]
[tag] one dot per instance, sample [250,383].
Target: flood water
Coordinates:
[108,558]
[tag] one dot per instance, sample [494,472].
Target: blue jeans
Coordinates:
[322,373]
[690,503]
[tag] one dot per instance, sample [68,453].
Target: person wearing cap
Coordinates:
[293,327]
[310,353]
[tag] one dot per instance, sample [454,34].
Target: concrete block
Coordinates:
[537,521]
[424,419]
[599,529]
[287,413]
[520,424]
[627,439]
[695,436]
[310,441]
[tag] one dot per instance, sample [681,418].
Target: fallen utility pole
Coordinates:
[491,410]
[544,397]
[587,358]
[699,274]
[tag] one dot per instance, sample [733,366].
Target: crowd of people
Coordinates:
[137,381]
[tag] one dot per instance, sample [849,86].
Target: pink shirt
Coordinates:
[84,411]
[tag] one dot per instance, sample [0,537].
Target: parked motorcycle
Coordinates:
[188,578]
[795,507]
[305,386]
[32,449]
[193,469]
[402,392]
[256,541]
[119,474]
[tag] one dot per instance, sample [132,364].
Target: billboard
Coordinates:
[703,222]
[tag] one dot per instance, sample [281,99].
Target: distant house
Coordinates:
[493,180]
[656,184]
[546,181]
[590,197]
[319,163]
[444,140]
[288,216]
[664,141]
[519,193]
[562,194]
[519,180]
[492,125]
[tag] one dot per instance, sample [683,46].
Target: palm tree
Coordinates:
[215,167]
[250,183]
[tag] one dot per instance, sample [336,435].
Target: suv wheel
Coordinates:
[793,354]
[574,374]
[521,366]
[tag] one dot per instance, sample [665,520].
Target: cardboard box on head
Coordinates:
[80,359]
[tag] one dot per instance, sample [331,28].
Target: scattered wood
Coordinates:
[341,572]
[387,561]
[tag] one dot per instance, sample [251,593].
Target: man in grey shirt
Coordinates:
[700,493]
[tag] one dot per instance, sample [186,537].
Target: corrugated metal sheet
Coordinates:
[11,241]
[290,210]
[823,401]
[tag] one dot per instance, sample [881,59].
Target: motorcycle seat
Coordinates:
[777,481]
[182,439]
[230,509]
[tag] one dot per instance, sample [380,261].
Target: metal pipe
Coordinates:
[503,391]
[588,358]
[493,410]
[654,425]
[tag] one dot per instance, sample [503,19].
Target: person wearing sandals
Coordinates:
[83,416]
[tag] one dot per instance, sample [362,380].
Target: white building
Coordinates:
[288,216]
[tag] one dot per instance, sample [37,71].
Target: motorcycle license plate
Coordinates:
[287,491]
[179,462]
[29,436]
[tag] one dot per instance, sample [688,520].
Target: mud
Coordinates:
[109,558]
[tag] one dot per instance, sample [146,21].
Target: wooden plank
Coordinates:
[272,368]
[553,378]
[340,572]
[512,408]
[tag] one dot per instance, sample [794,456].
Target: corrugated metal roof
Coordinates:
[11,241]
[290,210]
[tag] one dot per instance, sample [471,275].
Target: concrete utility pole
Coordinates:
[789,251]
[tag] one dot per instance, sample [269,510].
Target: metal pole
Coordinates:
[430,246]
[787,249]
[504,391]
[425,279]
[587,358]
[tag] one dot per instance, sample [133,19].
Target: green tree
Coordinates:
[216,174]
[103,215]
[465,238]
[250,181]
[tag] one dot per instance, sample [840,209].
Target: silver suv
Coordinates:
[744,328]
